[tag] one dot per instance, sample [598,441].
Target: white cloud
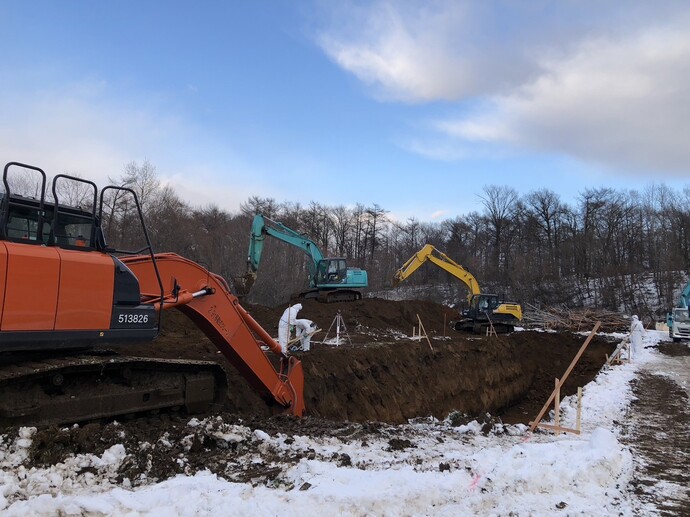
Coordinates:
[73,129]
[438,214]
[619,102]
[81,129]
[605,84]
[418,52]
[445,151]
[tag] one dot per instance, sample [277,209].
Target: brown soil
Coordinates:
[353,392]
[656,429]
[382,375]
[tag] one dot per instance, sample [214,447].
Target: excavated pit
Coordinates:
[381,374]
[352,392]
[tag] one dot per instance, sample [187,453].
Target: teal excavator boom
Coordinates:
[330,279]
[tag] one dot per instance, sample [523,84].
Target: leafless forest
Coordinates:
[604,250]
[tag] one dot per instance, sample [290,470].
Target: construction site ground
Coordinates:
[378,373]
[378,376]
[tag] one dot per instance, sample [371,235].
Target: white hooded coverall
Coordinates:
[305,328]
[636,331]
[288,318]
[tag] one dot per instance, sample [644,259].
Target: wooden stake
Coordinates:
[536,422]
[579,409]
[557,405]
[559,429]
[422,329]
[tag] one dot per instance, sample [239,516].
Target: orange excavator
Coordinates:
[65,294]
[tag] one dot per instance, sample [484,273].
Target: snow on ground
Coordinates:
[444,470]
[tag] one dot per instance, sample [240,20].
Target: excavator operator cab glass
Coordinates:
[484,302]
[73,230]
[22,225]
[331,271]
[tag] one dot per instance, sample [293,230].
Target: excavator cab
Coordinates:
[33,220]
[331,271]
[486,310]
[482,303]
[70,227]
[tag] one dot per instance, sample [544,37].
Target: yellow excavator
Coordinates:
[485,311]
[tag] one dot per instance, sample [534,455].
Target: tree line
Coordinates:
[604,249]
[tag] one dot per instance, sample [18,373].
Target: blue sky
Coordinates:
[413,105]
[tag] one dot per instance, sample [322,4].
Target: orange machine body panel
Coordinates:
[85,299]
[3,276]
[31,287]
[48,288]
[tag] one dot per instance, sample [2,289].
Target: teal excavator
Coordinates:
[330,279]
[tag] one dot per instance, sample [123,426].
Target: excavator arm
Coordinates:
[206,299]
[431,254]
[263,226]
[684,297]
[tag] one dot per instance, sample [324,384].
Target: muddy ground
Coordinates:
[361,390]
[376,378]
[656,428]
[379,374]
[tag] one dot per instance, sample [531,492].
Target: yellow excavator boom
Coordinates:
[430,253]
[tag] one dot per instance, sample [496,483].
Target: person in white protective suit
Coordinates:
[636,331]
[304,330]
[286,320]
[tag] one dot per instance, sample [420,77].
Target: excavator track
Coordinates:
[65,390]
[482,328]
[329,296]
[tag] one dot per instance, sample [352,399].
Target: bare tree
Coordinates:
[501,204]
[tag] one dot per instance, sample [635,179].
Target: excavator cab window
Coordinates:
[73,230]
[331,271]
[681,315]
[22,225]
[484,302]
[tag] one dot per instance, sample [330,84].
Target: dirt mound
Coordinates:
[385,376]
[511,375]
[364,317]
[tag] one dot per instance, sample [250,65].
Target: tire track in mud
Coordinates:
[658,432]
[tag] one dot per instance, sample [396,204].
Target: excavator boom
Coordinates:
[431,254]
[206,299]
